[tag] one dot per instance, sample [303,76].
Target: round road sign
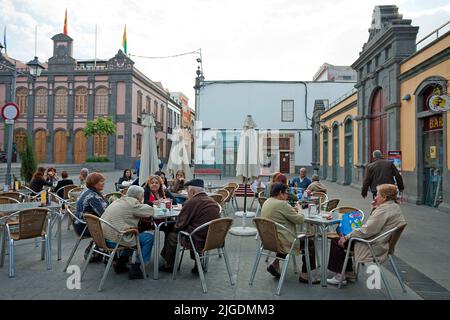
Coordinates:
[10,111]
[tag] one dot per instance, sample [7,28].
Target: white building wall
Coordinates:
[225,104]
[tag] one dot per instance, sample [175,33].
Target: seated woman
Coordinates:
[51,176]
[126,180]
[91,201]
[315,185]
[62,183]
[164,179]
[269,185]
[386,214]
[178,185]
[276,208]
[38,181]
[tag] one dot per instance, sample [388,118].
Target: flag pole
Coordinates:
[95,52]
[35,41]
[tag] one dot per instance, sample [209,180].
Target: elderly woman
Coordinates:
[276,208]
[178,185]
[315,185]
[386,214]
[124,214]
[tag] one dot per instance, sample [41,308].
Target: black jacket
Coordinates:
[62,183]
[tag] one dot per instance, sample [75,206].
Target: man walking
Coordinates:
[380,171]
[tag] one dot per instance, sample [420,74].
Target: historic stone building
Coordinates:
[54,109]
[389,110]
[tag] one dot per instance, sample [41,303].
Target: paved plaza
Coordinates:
[423,260]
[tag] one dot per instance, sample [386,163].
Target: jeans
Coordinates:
[146,243]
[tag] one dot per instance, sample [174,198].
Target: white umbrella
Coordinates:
[178,157]
[247,166]
[149,154]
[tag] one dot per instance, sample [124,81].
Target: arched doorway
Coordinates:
[348,165]
[325,154]
[60,147]
[20,139]
[335,151]
[378,132]
[431,140]
[39,145]
[79,147]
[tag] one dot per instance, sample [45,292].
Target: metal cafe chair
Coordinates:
[95,228]
[267,230]
[215,239]
[31,224]
[392,235]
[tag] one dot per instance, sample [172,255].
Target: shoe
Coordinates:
[271,269]
[313,281]
[335,281]
[351,278]
[166,269]
[120,266]
[195,270]
[135,272]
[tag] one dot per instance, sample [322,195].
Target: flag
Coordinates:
[65,24]
[124,40]
[4,40]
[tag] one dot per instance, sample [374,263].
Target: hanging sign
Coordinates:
[396,157]
[433,152]
[439,103]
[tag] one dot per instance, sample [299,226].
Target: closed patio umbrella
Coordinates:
[178,157]
[149,154]
[247,167]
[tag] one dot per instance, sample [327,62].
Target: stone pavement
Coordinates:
[423,250]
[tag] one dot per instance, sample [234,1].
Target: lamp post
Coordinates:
[35,69]
[197,87]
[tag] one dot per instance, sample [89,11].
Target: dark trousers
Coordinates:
[337,257]
[170,247]
[312,257]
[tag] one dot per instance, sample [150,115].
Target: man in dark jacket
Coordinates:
[62,183]
[199,209]
[378,172]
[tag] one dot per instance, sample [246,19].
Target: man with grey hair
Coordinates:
[83,175]
[125,213]
[302,181]
[380,171]
[197,210]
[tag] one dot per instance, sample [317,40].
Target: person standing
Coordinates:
[380,171]
[302,181]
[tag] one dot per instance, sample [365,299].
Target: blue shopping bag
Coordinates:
[350,221]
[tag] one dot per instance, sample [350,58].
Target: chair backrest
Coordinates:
[32,222]
[217,197]
[217,231]
[6,200]
[226,196]
[109,197]
[267,230]
[96,231]
[124,191]
[347,209]
[259,191]
[233,185]
[261,200]
[14,195]
[395,237]
[66,189]
[74,193]
[330,204]
[321,195]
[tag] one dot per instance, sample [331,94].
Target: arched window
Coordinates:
[325,154]
[22,100]
[100,145]
[61,101]
[139,107]
[101,101]
[148,105]
[20,138]
[81,101]
[41,99]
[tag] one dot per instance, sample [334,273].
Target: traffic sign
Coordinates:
[10,111]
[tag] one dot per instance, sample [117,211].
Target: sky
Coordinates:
[239,39]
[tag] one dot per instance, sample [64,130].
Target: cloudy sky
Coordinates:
[239,39]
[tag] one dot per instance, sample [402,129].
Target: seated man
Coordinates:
[62,183]
[315,185]
[123,214]
[277,209]
[197,210]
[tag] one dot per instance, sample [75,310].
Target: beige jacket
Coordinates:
[124,213]
[281,212]
[316,186]
[383,218]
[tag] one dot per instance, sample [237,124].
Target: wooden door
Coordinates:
[284,162]
[378,129]
[79,147]
[39,145]
[60,147]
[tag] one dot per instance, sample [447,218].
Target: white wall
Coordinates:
[225,105]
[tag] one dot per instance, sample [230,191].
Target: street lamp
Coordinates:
[35,71]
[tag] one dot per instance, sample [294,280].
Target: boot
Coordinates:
[120,265]
[135,272]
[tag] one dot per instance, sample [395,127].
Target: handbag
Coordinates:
[350,221]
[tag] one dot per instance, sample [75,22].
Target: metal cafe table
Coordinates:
[160,218]
[323,224]
[11,208]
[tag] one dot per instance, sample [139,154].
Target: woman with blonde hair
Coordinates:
[386,215]
[154,192]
